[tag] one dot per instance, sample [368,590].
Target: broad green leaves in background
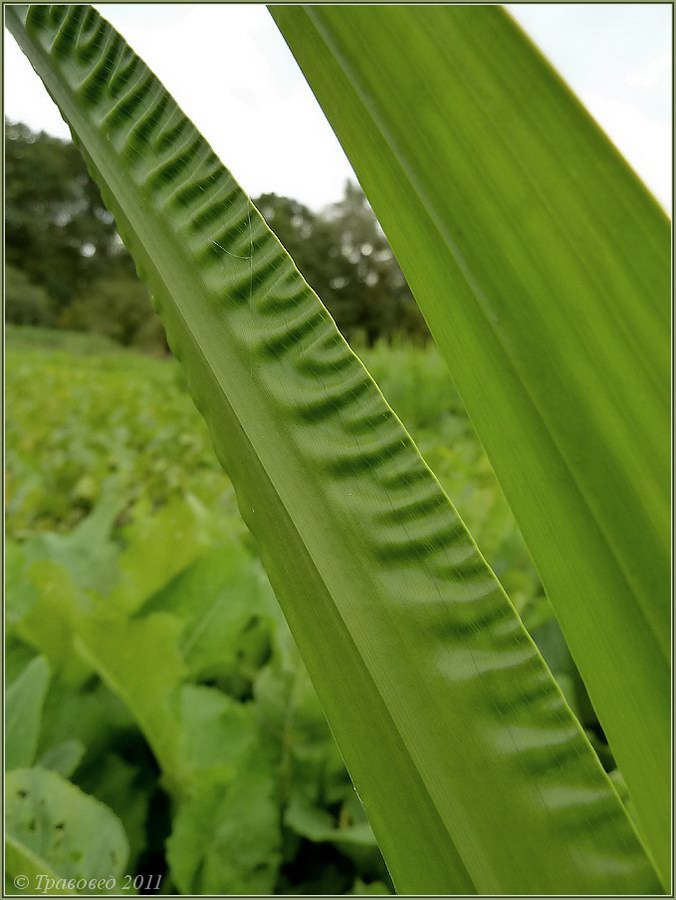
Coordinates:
[210,849]
[221,603]
[83,412]
[139,661]
[54,830]
[542,266]
[23,713]
[474,773]
[236,756]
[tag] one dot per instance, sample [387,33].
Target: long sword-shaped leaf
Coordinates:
[542,266]
[474,773]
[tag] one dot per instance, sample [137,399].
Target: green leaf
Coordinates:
[64,757]
[17,654]
[178,533]
[219,598]
[42,604]
[195,733]
[226,838]
[473,772]
[289,712]
[226,834]
[542,266]
[54,830]
[23,714]
[217,733]
[89,715]
[317,825]
[88,553]
[119,785]
[140,662]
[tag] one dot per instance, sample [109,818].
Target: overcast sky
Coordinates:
[230,70]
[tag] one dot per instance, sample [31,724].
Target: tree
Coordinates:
[346,259]
[67,266]
[26,303]
[57,228]
[63,239]
[120,309]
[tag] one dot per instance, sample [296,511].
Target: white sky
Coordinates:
[230,70]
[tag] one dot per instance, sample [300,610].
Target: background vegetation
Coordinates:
[68,269]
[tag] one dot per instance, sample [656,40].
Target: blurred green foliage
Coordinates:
[27,303]
[58,231]
[154,690]
[344,256]
[68,269]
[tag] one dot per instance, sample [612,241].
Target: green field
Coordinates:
[148,664]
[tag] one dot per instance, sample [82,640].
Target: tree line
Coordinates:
[66,266]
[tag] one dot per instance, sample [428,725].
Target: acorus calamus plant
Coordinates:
[542,266]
